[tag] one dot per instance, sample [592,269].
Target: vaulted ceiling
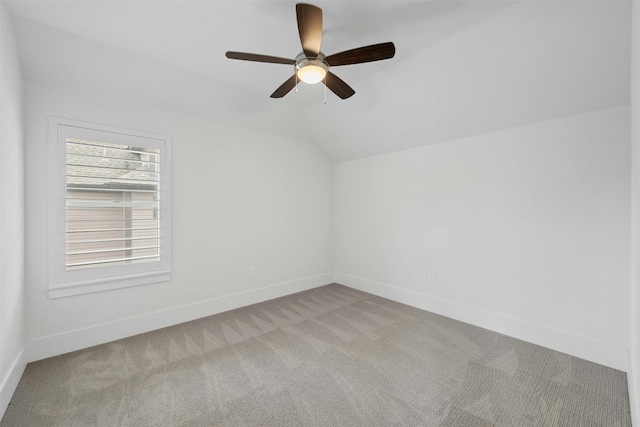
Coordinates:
[461,68]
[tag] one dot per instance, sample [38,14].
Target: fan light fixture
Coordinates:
[311,71]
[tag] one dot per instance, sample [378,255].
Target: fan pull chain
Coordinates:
[295,73]
[325,89]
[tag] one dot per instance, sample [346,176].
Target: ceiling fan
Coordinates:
[311,65]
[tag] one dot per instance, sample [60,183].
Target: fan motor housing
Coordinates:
[302,60]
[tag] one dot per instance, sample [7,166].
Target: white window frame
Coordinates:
[63,283]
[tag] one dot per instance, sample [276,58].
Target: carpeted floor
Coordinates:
[331,356]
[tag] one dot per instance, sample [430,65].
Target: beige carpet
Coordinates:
[331,356]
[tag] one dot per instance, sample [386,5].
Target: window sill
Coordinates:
[109,283]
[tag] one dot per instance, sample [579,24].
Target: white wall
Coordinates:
[12,284]
[526,229]
[240,198]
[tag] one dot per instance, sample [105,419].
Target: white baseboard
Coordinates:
[11,380]
[54,345]
[562,341]
[632,382]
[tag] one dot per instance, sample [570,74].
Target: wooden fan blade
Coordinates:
[259,58]
[285,87]
[338,86]
[375,52]
[309,27]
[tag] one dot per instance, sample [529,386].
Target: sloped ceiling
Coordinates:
[461,68]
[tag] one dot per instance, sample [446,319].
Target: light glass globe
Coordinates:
[312,74]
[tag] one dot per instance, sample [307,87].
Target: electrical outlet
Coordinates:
[252,271]
[432,275]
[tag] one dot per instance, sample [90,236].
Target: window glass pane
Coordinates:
[112,209]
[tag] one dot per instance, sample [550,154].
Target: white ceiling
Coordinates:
[461,68]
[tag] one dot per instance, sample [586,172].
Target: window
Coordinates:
[110,219]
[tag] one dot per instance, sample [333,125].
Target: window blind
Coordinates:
[112,204]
